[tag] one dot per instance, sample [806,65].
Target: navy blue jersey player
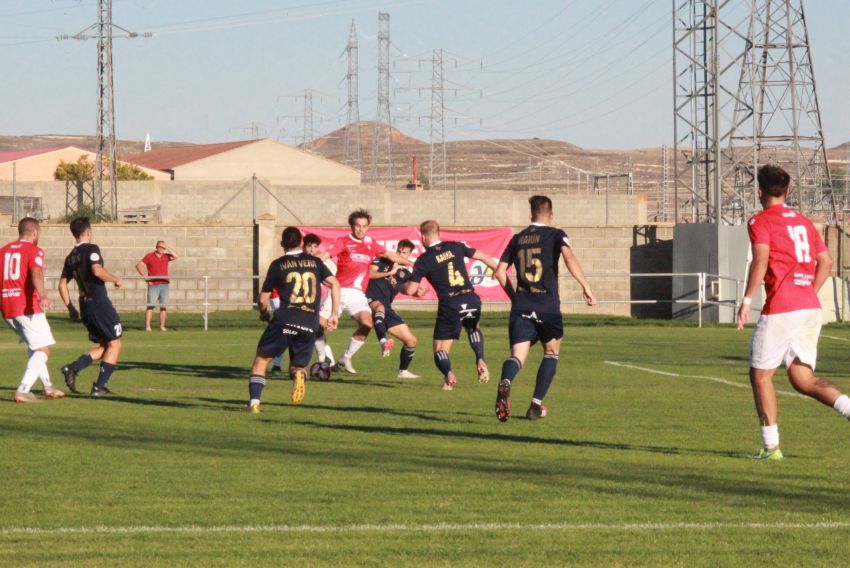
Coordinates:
[298,278]
[84,265]
[387,279]
[458,305]
[534,253]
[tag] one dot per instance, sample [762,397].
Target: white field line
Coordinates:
[703,377]
[366,528]
[835,338]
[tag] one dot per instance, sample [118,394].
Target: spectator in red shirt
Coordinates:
[156,264]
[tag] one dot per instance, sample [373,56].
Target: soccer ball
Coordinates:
[320,372]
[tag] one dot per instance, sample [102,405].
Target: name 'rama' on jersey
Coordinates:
[79,266]
[444,267]
[386,289]
[534,253]
[298,278]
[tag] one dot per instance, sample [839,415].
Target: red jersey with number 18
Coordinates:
[17,294]
[354,259]
[794,245]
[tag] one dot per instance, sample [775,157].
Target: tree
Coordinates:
[82,171]
[130,172]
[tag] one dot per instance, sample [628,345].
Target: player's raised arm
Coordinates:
[576,271]
[397,258]
[376,273]
[485,258]
[758,268]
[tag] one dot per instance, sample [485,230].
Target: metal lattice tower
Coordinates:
[382,142]
[437,147]
[103,202]
[351,152]
[307,117]
[743,80]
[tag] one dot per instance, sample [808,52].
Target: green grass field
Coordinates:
[631,468]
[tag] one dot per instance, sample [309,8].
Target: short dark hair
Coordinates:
[405,244]
[79,226]
[27,225]
[773,180]
[429,227]
[540,205]
[312,239]
[290,238]
[359,214]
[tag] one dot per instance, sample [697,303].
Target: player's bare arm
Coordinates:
[100,272]
[375,274]
[823,269]
[758,268]
[576,272]
[65,296]
[397,258]
[263,306]
[333,320]
[37,279]
[486,259]
[501,276]
[411,288]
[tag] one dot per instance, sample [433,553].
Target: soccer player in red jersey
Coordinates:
[792,260]
[23,301]
[354,254]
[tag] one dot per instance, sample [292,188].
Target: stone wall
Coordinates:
[239,203]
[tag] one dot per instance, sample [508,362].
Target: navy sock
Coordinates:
[255,386]
[545,374]
[444,364]
[405,358]
[82,362]
[380,325]
[106,370]
[510,368]
[476,341]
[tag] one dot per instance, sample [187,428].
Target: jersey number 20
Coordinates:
[801,243]
[304,290]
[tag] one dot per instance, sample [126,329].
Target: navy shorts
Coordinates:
[101,321]
[392,318]
[527,325]
[456,313]
[282,334]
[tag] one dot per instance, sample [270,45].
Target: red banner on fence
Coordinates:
[490,241]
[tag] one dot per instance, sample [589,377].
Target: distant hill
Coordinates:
[85,142]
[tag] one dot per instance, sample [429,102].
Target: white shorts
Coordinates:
[274,303]
[781,338]
[351,300]
[33,330]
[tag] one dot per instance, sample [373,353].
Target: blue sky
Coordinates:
[596,73]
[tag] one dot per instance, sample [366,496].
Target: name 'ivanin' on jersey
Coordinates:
[534,253]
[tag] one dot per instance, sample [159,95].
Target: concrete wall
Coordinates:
[239,202]
[272,161]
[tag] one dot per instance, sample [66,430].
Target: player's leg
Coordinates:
[379,317]
[163,310]
[520,346]
[446,329]
[272,343]
[148,318]
[770,343]
[545,375]
[470,313]
[442,349]
[300,349]
[403,333]
[354,302]
[108,365]
[35,332]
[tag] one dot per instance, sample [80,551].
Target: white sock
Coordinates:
[321,345]
[329,354]
[770,436]
[353,346]
[842,406]
[35,364]
[254,402]
[277,361]
[44,377]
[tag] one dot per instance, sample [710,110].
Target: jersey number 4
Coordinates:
[800,237]
[11,266]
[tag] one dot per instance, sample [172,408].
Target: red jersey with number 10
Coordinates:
[17,294]
[794,245]
[353,260]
